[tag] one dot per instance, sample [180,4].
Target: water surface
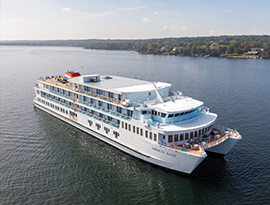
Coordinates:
[46,161]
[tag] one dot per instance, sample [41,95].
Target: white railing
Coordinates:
[183,149]
[218,141]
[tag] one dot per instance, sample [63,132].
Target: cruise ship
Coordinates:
[144,119]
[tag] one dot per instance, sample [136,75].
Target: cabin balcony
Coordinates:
[91,105]
[66,85]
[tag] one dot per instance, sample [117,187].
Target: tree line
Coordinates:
[186,46]
[195,46]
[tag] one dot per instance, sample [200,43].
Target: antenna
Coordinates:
[158,95]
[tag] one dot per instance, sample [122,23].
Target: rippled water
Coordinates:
[46,161]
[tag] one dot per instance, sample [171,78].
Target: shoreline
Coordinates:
[206,56]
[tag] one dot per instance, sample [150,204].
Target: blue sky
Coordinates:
[88,19]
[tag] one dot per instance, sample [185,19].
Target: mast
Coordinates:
[158,95]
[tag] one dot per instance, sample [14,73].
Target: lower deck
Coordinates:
[215,136]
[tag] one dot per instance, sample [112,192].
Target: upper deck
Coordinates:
[118,84]
[151,103]
[132,89]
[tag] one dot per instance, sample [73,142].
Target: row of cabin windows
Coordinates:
[53,106]
[106,129]
[139,131]
[91,100]
[93,112]
[186,136]
[85,88]
[163,115]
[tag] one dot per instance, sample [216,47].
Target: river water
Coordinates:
[46,161]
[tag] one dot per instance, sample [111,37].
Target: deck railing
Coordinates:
[191,149]
[92,104]
[85,112]
[92,94]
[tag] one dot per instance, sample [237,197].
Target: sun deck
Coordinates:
[196,146]
[120,84]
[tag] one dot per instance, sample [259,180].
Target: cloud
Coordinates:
[255,30]
[66,9]
[131,9]
[197,25]
[156,12]
[146,20]
[184,28]
[95,15]
[212,31]
[227,10]
[170,28]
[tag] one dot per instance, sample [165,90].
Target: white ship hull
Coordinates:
[224,147]
[159,155]
[144,119]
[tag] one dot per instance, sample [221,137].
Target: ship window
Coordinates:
[181,137]
[110,94]
[90,122]
[163,115]
[141,132]
[129,127]
[155,137]
[155,112]
[191,135]
[138,130]
[164,137]
[199,132]
[196,133]
[170,138]
[186,136]
[150,135]
[129,113]
[98,126]
[119,109]
[202,131]
[116,134]
[175,138]
[144,112]
[122,124]
[126,126]
[134,129]
[176,115]
[109,106]
[107,130]
[181,114]
[170,115]
[146,133]
[38,92]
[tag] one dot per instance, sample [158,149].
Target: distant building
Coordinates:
[255,51]
[164,48]
[175,49]
[214,44]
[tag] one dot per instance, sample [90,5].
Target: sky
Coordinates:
[128,19]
